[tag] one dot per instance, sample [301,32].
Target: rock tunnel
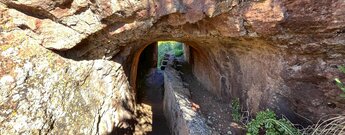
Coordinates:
[224,70]
[68,65]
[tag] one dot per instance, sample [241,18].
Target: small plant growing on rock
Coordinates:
[326,125]
[339,83]
[235,111]
[266,122]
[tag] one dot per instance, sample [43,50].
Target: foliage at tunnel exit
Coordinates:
[267,122]
[339,83]
[169,47]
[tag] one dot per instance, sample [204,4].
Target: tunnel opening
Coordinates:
[192,64]
[216,74]
[150,85]
[167,49]
[220,70]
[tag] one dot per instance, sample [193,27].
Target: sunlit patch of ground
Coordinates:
[144,119]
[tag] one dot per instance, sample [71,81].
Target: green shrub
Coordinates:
[235,110]
[163,48]
[266,121]
[169,47]
[176,45]
[178,53]
[339,83]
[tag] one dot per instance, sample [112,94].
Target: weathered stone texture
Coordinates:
[44,93]
[182,119]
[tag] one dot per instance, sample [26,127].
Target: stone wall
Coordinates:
[177,107]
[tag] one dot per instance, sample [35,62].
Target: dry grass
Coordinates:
[328,125]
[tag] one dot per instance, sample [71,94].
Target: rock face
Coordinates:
[69,66]
[44,93]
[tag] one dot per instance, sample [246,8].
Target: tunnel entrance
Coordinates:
[186,61]
[150,86]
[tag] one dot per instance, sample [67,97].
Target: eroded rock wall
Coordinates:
[42,92]
[45,93]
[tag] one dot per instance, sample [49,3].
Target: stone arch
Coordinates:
[196,52]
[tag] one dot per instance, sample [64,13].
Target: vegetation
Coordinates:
[327,125]
[178,53]
[266,122]
[169,47]
[339,83]
[235,111]
[330,124]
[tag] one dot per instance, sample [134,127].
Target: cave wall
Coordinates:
[263,75]
[148,59]
[249,70]
[203,68]
[280,54]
